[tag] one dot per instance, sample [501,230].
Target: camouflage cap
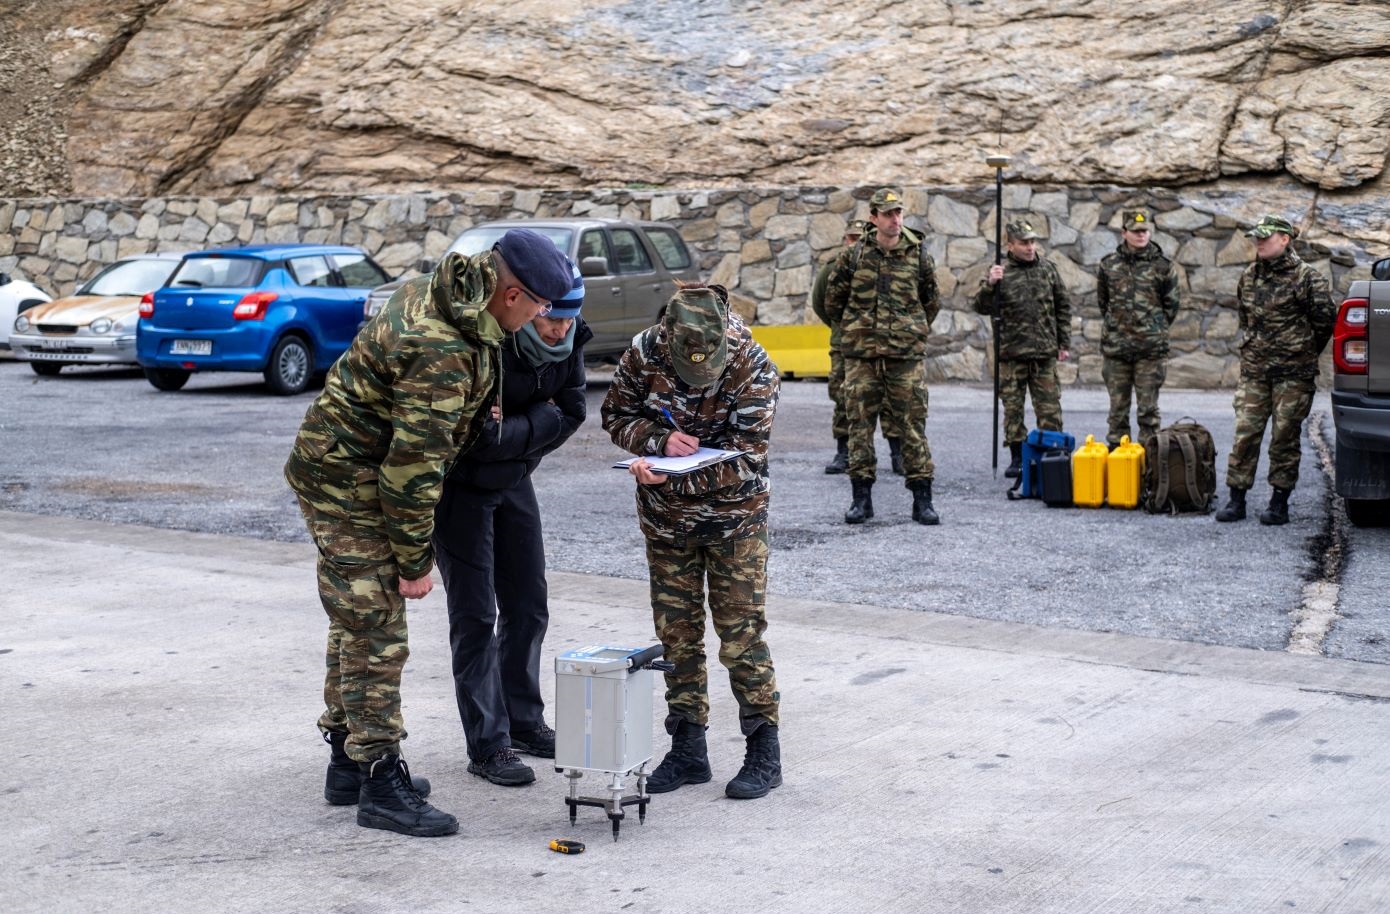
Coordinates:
[1020,230]
[885,200]
[1269,224]
[1138,220]
[696,318]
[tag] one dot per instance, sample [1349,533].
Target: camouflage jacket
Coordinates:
[1138,296]
[410,393]
[721,502]
[1287,313]
[818,300]
[1037,310]
[883,301]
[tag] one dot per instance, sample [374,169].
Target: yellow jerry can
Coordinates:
[1126,474]
[1088,474]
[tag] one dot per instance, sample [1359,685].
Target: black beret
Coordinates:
[537,262]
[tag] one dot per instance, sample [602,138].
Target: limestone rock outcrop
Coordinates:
[349,96]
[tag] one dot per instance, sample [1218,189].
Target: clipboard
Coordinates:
[679,466]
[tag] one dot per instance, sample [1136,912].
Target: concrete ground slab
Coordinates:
[161,689]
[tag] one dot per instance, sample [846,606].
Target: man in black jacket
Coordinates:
[489,550]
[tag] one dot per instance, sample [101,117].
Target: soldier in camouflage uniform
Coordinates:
[699,379]
[882,294]
[1287,314]
[1034,337]
[1137,290]
[367,467]
[839,423]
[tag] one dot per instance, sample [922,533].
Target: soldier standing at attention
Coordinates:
[1035,336]
[699,379]
[882,294]
[839,423]
[1287,314]
[1137,290]
[412,391]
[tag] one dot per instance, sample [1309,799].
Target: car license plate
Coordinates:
[53,344]
[191,347]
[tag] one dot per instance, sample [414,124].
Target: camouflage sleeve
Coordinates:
[818,290]
[1171,292]
[1242,318]
[983,300]
[623,413]
[837,286]
[1103,289]
[1061,304]
[427,406]
[927,292]
[750,428]
[1322,310]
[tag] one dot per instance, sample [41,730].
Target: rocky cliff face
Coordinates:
[144,97]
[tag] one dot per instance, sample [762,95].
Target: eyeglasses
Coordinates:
[545,306]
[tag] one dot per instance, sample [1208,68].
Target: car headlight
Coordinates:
[101,325]
[21,324]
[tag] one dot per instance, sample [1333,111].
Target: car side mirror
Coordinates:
[594,266]
[426,266]
[1381,269]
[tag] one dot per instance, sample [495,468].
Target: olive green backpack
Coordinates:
[1180,469]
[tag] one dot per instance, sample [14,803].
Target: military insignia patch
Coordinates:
[1138,217]
[697,357]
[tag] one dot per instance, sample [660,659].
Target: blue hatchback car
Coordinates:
[285,310]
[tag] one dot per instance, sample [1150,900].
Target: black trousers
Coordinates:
[490,554]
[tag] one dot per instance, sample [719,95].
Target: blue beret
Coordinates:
[537,262]
[567,306]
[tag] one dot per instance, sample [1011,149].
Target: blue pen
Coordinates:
[669,418]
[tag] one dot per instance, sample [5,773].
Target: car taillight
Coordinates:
[147,305]
[252,306]
[1349,344]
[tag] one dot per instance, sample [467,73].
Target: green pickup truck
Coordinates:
[1361,398]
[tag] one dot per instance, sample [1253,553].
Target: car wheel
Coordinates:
[46,369]
[167,378]
[1368,512]
[290,367]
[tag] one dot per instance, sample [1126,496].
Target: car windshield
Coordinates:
[217,272]
[477,240]
[130,277]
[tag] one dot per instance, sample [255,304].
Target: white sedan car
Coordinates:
[97,324]
[16,295]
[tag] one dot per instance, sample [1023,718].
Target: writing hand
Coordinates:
[679,444]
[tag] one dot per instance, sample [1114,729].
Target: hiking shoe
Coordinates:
[539,742]
[762,766]
[686,763]
[503,767]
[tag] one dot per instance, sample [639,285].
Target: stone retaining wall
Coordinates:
[763,244]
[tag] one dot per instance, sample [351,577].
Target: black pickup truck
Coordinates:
[1361,398]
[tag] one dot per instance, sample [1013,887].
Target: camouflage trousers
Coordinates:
[895,389]
[367,638]
[1142,377]
[1283,404]
[737,574]
[1037,377]
[839,422]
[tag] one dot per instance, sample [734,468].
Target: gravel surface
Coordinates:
[103,444]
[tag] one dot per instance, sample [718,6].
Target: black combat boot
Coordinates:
[840,462]
[389,801]
[922,511]
[1235,507]
[344,781]
[1015,468]
[862,508]
[1277,514]
[688,760]
[895,454]
[762,766]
